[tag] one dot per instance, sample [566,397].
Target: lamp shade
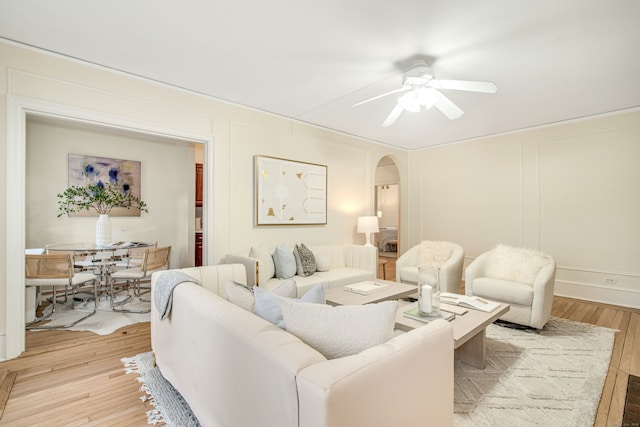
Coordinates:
[368,224]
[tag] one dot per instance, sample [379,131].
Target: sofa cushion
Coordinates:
[305,261]
[343,330]
[284,262]
[269,304]
[503,290]
[243,296]
[266,268]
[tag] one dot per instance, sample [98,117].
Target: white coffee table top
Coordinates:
[465,326]
[393,291]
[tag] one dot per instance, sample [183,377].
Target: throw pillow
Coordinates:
[244,297]
[515,264]
[322,262]
[433,253]
[240,295]
[284,262]
[343,330]
[266,269]
[305,261]
[269,305]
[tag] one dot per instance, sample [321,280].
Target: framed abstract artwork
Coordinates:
[290,192]
[92,170]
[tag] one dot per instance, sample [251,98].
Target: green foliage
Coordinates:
[98,197]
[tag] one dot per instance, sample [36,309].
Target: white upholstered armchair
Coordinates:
[448,256]
[522,278]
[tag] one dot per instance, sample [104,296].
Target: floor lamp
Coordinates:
[368,225]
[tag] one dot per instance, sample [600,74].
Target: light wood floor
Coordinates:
[76,378]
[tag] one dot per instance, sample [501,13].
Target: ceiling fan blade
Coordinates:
[466,85]
[393,116]
[402,89]
[448,108]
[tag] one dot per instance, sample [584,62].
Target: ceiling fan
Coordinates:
[423,90]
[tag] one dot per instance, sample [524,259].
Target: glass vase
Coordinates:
[429,291]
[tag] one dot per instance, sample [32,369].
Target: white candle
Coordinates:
[425,301]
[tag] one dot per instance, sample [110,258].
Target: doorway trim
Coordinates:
[12,343]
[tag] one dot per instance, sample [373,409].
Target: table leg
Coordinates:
[473,352]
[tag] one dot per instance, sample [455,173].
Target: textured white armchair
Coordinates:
[522,278]
[446,255]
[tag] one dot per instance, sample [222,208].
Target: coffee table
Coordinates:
[469,331]
[393,291]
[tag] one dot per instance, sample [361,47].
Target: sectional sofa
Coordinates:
[237,369]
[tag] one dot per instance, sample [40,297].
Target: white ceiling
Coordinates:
[553,60]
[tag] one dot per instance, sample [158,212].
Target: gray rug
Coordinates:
[551,378]
[170,406]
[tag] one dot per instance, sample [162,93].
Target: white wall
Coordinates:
[569,189]
[167,177]
[33,81]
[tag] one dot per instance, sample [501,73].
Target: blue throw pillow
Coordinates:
[284,262]
[269,305]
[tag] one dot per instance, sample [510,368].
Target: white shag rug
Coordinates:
[551,378]
[104,322]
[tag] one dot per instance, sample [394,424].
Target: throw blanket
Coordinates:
[163,291]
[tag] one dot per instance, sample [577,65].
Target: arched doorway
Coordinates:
[387,202]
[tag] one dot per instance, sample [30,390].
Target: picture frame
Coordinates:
[289,192]
[90,170]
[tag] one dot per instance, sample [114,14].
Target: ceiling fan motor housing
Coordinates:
[418,75]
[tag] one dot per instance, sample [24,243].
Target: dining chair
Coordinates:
[56,271]
[31,295]
[131,257]
[154,259]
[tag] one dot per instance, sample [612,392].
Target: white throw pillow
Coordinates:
[343,330]
[243,296]
[266,269]
[269,305]
[515,264]
[322,262]
[433,253]
[284,262]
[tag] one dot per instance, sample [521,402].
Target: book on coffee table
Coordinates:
[365,288]
[473,302]
[413,314]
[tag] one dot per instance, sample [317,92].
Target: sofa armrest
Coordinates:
[416,369]
[362,257]
[250,264]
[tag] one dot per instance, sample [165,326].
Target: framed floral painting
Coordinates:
[92,170]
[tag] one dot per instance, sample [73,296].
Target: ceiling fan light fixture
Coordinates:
[410,101]
[427,97]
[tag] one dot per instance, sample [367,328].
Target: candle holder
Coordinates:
[428,291]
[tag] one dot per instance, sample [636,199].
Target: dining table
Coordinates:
[100,258]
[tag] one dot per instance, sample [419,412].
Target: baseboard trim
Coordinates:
[589,292]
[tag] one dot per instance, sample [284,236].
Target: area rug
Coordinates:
[104,322]
[548,378]
[169,406]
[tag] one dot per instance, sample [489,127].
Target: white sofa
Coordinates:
[348,264]
[235,369]
[450,268]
